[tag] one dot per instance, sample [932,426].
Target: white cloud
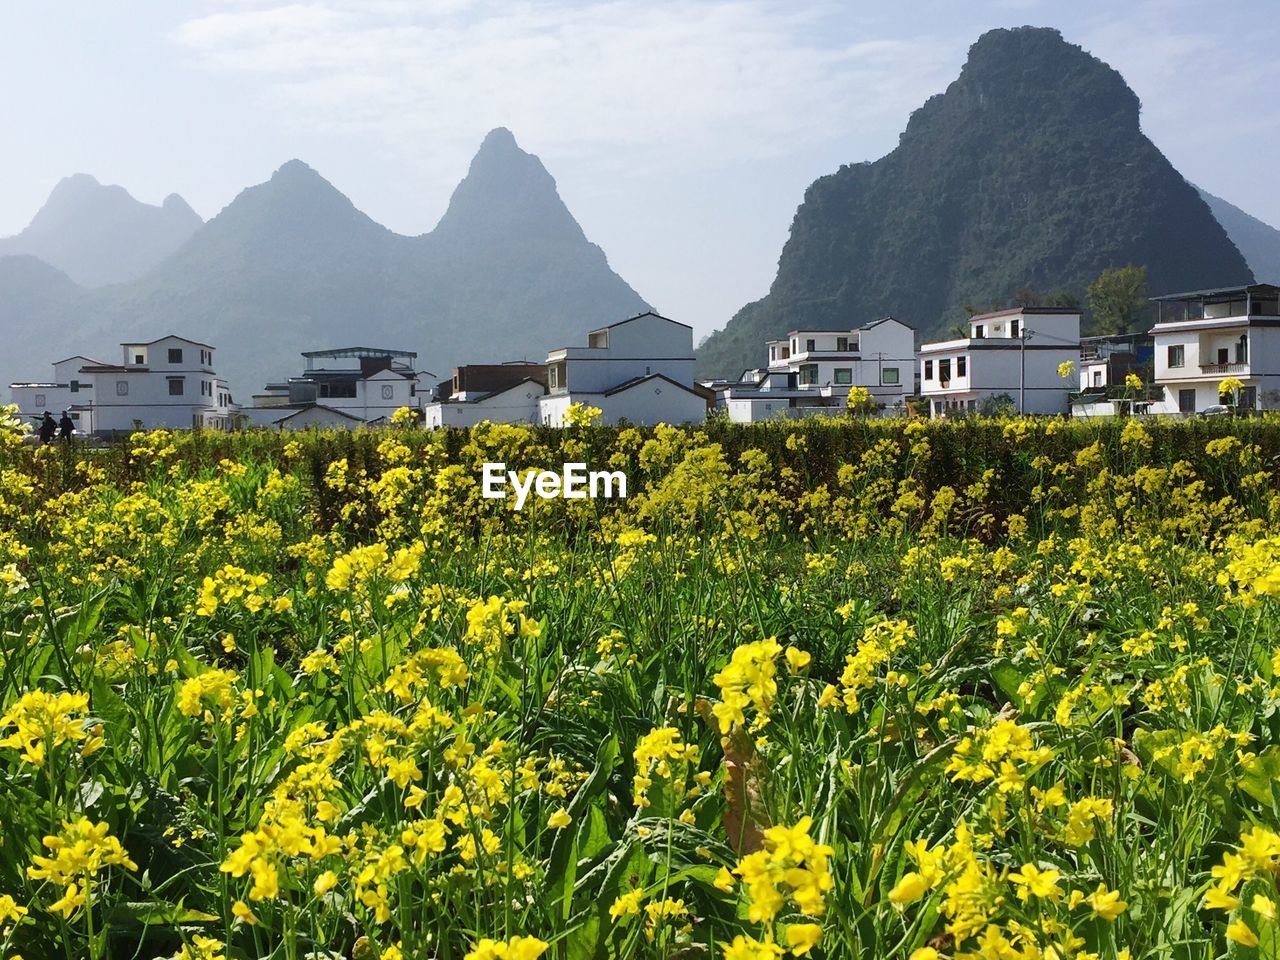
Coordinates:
[641,85]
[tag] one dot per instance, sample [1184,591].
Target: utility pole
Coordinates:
[1022,368]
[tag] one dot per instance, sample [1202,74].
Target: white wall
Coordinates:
[637,348]
[648,403]
[518,404]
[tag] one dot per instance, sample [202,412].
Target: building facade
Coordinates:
[810,373]
[1013,353]
[639,370]
[1204,337]
[68,389]
[349,386]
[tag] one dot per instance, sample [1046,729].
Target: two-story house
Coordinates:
[639,370]
[810,372]
[346,387]
[168,383]
[1204,337]
[1012,353]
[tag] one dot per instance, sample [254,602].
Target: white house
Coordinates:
[350,386]
[68,390]
[639,370]
[1206,336]
[810,372]
[1014,352]
[493,392]
[167,383]
[517,403]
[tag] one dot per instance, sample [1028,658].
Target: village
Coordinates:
[1210,352]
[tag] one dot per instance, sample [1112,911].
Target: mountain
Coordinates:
[98,234]
[1258,241]
[292,265]
[1029,170]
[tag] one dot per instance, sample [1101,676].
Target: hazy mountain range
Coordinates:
[291,265]
[1030,170]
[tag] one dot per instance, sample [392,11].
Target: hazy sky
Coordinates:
[682,133]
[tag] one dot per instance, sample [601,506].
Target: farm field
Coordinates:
[989,689]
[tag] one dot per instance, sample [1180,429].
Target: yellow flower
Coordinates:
[627,904]
[517,948]
[1239,932]
[325,882]
[559,819]
[909,889]
[803,937]
[1106,903]
[1031,881]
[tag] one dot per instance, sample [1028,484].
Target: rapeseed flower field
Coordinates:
[974,689]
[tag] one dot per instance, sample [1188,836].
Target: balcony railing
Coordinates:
[1215,368]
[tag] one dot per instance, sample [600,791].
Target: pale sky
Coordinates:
[682,133]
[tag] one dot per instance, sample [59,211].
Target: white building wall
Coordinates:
[518,404]
[654,401]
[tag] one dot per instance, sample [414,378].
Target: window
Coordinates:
[1248,398]
[177,386]
[962,364]
[1097,378]
[808,374]
[844,376]
[979,331]
[1186,401]
[890,376]
[553,377]
[809,345]
[75,386]
[122,388]
[1013,328]
[842,345]
[928,369]
[39,399]
[944,370]
[175,355]
[1177,356]
[139,358]
[388,391]
[598,340]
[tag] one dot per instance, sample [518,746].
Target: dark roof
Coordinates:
[318,406]
[635,381]
[501,390]
[875,323]
[1223,292]
[168,336]
[345,352]
[76,356]
[113,367]
[647,313]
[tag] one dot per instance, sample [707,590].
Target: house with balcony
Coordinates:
[639,370]
[493,392]
[1205,336]
[68,389]
[345,387]
[169,383]
[810,373]
[1012,353]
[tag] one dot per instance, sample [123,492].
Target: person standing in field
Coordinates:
[48,429]
[66,427]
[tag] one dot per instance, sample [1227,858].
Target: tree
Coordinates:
[1118,298]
